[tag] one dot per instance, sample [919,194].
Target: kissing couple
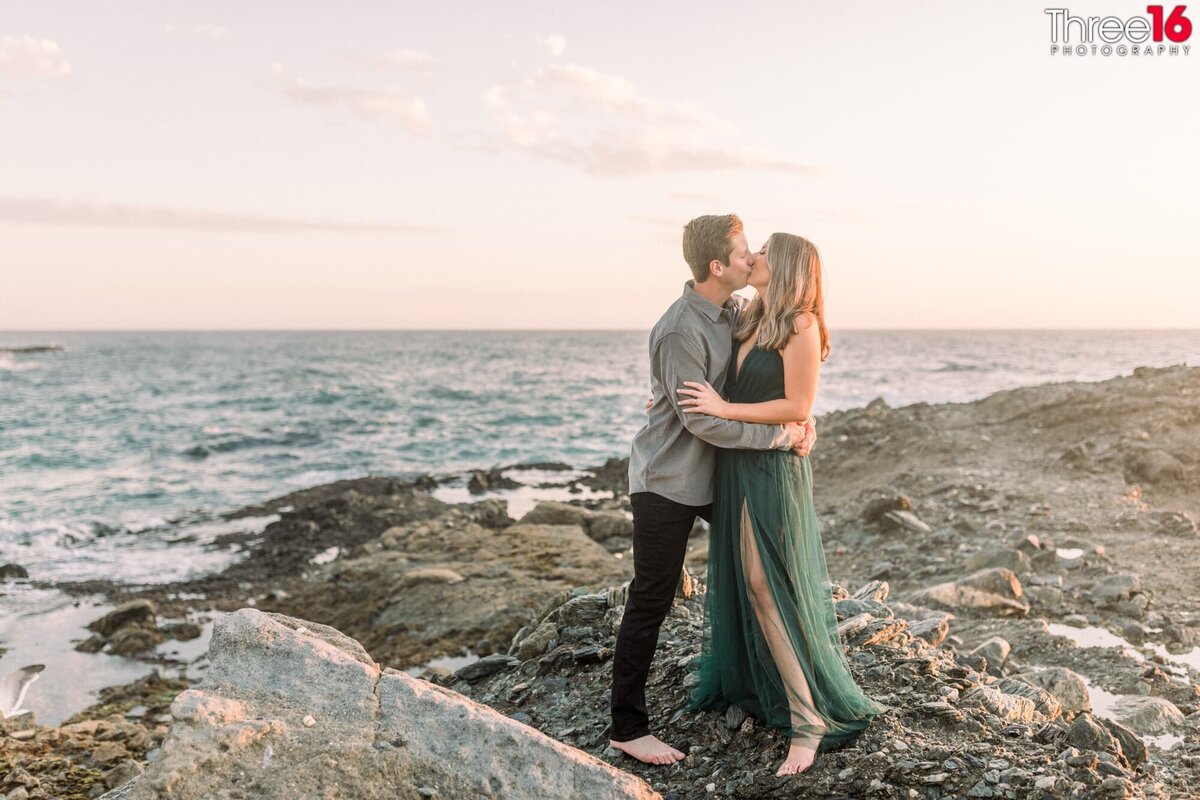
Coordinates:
[727,440]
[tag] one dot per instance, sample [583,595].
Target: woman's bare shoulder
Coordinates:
[805,320]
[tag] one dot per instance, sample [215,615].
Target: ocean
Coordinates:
[118,452]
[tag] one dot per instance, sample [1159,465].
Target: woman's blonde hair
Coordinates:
[794,287]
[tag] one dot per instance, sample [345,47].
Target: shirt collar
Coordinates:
[703,304]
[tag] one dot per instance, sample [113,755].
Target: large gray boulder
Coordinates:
[293,709]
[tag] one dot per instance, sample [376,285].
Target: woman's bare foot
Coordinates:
[649,749]
[801,754]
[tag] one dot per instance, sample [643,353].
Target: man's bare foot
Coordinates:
[801,754]
[649,749]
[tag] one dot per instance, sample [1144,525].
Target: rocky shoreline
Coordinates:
[1018,578]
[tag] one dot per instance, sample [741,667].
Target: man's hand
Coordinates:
[802,436]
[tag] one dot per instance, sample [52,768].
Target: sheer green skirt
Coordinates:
[771,644]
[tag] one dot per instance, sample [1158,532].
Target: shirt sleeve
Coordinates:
[679,360]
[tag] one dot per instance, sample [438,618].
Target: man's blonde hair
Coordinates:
[707,239]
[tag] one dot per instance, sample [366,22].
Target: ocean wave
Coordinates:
[247,442]
[954,366]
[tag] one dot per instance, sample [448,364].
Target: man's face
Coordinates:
[737,273]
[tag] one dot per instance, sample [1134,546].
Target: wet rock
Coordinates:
[135,612]
[1132,745]
[10,572]
[134,641]
[490,480]
[92,644]
[488,665]
[181,631]
[1148,715]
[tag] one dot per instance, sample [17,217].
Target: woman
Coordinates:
[771,644]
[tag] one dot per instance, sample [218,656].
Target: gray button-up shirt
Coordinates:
[673,453]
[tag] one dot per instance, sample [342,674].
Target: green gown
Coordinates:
[756,644]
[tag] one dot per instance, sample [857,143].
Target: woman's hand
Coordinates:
[703,399]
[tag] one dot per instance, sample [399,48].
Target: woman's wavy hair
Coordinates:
[795,287]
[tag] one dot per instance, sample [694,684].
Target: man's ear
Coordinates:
[715,268]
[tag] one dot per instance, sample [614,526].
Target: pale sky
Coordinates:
[218,165]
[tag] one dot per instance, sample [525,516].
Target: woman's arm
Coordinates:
[801,365]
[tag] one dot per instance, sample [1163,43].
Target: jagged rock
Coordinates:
[548,512]
[606,525]
[851,607]
[1154,467]
[181,631]
[880,506]
[135,612]
[997,556]
[933,630]
[905,521]
[1088,734]
[430,575]
[488,665]
[538,642]
[1067,686]
[132,641]
[374,734]
[588,609]
[1116,587]
[406,604]
[996,590]
[874,591]
[995,649]
[1046,703]
[1008,707]
[1132,746]
[1177,523]
[490,480]
[601,526]
[1148,715]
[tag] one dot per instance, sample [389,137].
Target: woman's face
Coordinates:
[760,270]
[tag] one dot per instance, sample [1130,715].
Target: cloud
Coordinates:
[28,56]
[603,125]
[49,211]
[207,30]
[373,104]
[556,43]
[406,60]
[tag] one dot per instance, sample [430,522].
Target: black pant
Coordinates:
[660,535]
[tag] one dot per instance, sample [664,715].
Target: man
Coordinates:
[672,461]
